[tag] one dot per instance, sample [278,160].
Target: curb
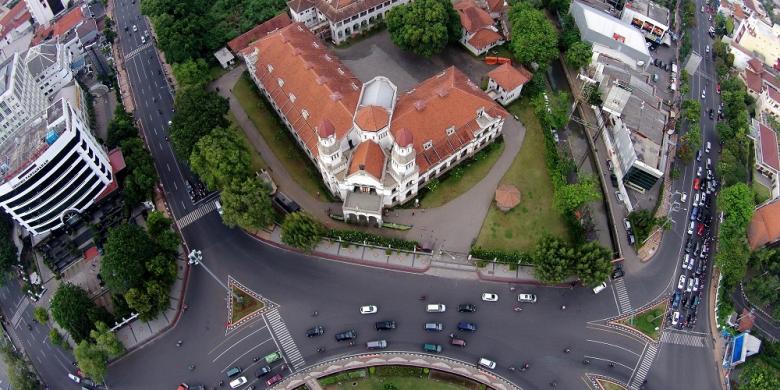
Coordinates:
[519,281]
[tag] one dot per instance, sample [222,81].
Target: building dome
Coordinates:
[404,137]
[372,118]
[325,129]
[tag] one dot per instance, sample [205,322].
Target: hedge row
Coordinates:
[501,256]
[373,239]
[342,377]
[399,371]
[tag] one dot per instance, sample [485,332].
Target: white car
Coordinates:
[528,298]
[690,285]
[74,378]
[698,172]
[683,198]
[686,261]
[707,147]
[695,284]
[135,28]
[600,287]
[238,382]
[487,363]
[368,309]
[703,93]
[676,318]
[490,297]
[681,284]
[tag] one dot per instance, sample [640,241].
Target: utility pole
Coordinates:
[196,258]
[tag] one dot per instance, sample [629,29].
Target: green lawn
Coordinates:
[295,161]
[521,227]
[471,173]
[761,193]
[648,321]
[247,306]
[401,383]
[257,163]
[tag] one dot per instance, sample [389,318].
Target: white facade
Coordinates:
[769,102]
[61,174]
[49,65]
[503,96]
[650,18]
[316,17]
[756,36]
[20,97]
[478,51]
[43,11]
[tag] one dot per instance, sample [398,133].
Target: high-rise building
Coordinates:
[43,11]
[20,96]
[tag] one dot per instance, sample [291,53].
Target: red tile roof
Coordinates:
[472,18]
[510,77]
[319,83]
[300,5]
[755,65]
[769,150]
[495,5]
[765,226]
[68,21]
[753,80]
[325,129]
[404,137]
[773,94]
[242,41]
[368,157]
[484,38]
[91,253]
[372,118]
[447,100]
[117,160]
[738,13]
[14,18]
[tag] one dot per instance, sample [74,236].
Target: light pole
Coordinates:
[196,258]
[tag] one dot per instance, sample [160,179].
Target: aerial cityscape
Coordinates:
[390,194]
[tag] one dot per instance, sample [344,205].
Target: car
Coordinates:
[698,171]
[170,123]
[368,309]
[219,207]
[627,224]
[487,363]
[135,28]
[695,284]
[696,184]
[689,245]
[435,308]
[431,348]
[619,196]
[315,331]
[696,198]
[631,239]
[675,318]
[707,147]
[433,326]
[263,371]
[683,197]
[703,93]
[600,287]
[234,371]
[385,325]
[700,230]
[528,298]
[467,308]
[74,378]
[698,155]
[457,342]
[609,166]
[273,380]
[691,263]
[694,213]
[711,114]
[466,326]
[618,273]
[681,283]
[346,335]
[709,163]
[143,39]
[676,299]
[689,287]
[376,344]
[707,49]
[686,261]
[238,382]
[717,87]
[490,297]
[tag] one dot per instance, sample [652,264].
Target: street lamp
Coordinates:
[196,258]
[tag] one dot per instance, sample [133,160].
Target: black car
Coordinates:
[385,325]
[315,331]
[346,335]
[711,114]
[467,308]
[618,273]
[263,371]
[467,326]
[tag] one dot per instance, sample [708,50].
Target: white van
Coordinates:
[528,298]
[674,68]
[600,287]
[219,207]
[487,363]
[436,308]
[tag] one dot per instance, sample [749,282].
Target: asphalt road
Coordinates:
[300,284]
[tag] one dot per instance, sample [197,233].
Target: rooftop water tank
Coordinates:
[51,137]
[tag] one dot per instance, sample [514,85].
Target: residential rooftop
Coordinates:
[650,9]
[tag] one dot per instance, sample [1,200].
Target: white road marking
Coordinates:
[234,344]
[607,360]
[613,345]
[244,354]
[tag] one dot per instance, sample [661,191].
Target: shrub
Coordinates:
[372,239]
[399,371]
[501,256]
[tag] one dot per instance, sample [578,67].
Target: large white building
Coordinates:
[20,96]
[374,146]
[611,36]
[52,168]
[49,65]
[340,20]
[650,18]
[43,11]
[759,38]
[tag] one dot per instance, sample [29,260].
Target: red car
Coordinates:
[717,87]
[700,231]
[274,379]
[696,184]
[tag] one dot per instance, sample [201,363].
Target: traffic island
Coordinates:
[397,377]
[243,304]
[609,385]
[648,321]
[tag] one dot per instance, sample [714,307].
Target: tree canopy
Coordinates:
[301,231]
[423,27]
[138,184]
[246,203]
[737,204]
[75,312]
[127,249]
[552,109]
[757,375]
[579,54]
[220,157]
[193,73]
[534,37]
[20,375]
[555,260]
[570,197]
[197,113]
[93,354]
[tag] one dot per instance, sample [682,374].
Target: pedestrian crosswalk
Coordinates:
[640,373]
[622,296]
[283,337]
[687,339]
[137,50]
[196,214]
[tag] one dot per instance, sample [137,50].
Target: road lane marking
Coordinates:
[606,360]
[155,130]
[196,214]
[643,366]
[244,354]
[234,344]
[683,339]
[622,294]
[613,345]
[280,331]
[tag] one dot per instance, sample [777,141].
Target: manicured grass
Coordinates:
[610,385]
[256,163]
[247,306]
[295,162]
[523,226]
[648,321]
[401,383]
[470,174]
[762,193]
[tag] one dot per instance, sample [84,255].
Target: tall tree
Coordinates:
[92,360]
[106,340]
[570,197]
[552,258]
[20,375]
[579,54]
[193,73]
[138,185]
[757,375]
[423,27]
[220,157]
[71,308]
[120,128]
[301,231]
[197,113]
[159,229]
[534,38]
[246,203]
[552,109]
[127,249]
[593,263]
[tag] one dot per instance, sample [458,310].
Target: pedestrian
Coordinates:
[412,213]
